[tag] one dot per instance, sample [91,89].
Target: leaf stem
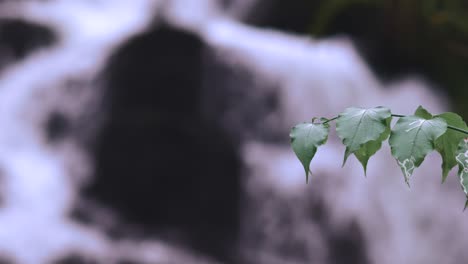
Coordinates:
[329,120]
[458,129]
[448,126]
[396,115]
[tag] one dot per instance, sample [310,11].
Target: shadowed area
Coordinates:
[19,38]
[159,164]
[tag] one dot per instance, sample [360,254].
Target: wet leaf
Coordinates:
[447,144]
[362,131]
[462,160]
[423,113]
[412,138]
[370,148]
[305,139]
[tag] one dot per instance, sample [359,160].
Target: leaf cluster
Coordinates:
[363,130]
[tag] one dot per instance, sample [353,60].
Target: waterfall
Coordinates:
[37,183]
[338,215]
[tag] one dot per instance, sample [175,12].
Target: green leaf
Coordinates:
[447,144]
[362,131]
[423,113]
[305,139]
[462,160]
[370,148]
[412,138]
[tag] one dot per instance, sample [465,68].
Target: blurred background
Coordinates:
[157,131]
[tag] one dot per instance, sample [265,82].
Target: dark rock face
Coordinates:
[159,163]
[277,14]
[18,39]
[298,229]
[79,259]
[244,112]
[75,259]
[4,260]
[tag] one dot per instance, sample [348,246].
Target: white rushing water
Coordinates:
[312,77]
[37,185]
[321,78]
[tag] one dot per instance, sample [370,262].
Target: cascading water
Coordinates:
[340,217]
[38,189]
